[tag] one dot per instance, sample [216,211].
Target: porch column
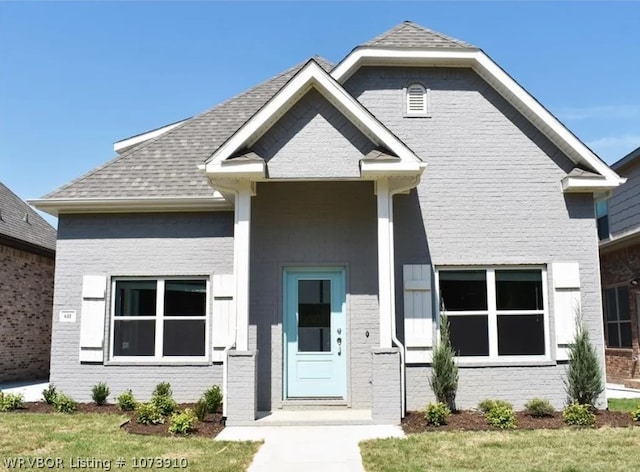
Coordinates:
[241,261]
[385,260]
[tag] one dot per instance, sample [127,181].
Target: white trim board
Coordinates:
[495,76]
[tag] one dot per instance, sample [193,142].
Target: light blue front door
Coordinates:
[314,334]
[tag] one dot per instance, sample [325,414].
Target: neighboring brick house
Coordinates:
[619,232]
[297,243]
[27,254]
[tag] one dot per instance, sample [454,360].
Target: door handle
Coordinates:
[339,341]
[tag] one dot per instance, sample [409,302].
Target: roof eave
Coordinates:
[573,184]
[58,206]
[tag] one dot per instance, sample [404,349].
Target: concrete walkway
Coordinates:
[31,391]
[308,448]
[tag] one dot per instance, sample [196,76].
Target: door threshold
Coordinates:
[316,402]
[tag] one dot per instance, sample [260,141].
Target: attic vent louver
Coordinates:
[417,100]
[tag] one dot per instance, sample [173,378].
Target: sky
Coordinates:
[77,76]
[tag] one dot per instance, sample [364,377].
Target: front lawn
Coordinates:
[67,438]
[563,450]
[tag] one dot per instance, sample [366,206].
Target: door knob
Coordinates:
[339,341]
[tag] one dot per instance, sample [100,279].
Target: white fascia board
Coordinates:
[374,170]
[588,184]
[251,170]
[497,78]
[126,144]
[131,205]
[312,75]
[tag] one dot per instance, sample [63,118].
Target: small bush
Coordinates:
[584,376]
[49,394]
[166,405]
[99,393]
[163,389]
[501,416]
[64,403]
[579,415]
[436,414]
[635,414]
[182,423]
[148,413]
[11,401]
[444,370]
[126,401]
[485,405]
[539,408]
[213,399]
[201,409]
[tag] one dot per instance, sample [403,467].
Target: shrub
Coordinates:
[49,394]
[182,423]
[436,414]
[444,371]
[165,405]
[488,404]
[201,409]
[635,414]
[148,413]
[10,401]
[539,407]
[578,414]
[163,389]
[64,403]
[501,416]
[99,393]
[213,399]
[126,401]
[584,377]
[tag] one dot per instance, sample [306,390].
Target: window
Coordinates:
[417,101]
[602,218]
[495,312]
[159,319]
[617,316]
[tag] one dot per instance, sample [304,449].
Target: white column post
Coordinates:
[241,257]
[385,260]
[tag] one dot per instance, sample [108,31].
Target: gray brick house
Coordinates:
[297,243]
[27,257]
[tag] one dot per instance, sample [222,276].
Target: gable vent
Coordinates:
[417,100]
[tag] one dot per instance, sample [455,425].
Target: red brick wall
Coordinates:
[26,303]
[620,267]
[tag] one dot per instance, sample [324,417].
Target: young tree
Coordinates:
[444,371]
[584,376]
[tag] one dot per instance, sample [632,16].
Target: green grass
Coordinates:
[564,450]
[98,436]
[623,404]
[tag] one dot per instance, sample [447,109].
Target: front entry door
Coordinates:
[314,334]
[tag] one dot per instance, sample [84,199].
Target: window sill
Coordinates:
[468,363]
[619,351]
[158,363]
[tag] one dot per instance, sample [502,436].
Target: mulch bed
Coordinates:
[467,420]
[210,427]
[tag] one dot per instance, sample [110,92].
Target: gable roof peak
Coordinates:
[412,35]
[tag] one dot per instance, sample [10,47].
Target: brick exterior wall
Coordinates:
[241,387]
[386,404]
[618,268]
[26,301]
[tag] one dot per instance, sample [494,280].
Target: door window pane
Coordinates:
[184,338]
[469,335]
[185,297]
[463,290]
[314,315]
[519,289]
[134,338]
[520,335]
[135,298]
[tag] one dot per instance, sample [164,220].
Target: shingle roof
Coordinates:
[411,35]
[32,229]
[167,165]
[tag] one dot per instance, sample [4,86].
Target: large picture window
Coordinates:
[495,312]
[159,319]
[617,317]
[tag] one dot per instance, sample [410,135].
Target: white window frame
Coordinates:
[492,312]
[426,95]
[159,319]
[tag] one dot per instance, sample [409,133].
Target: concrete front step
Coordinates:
[314,417]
